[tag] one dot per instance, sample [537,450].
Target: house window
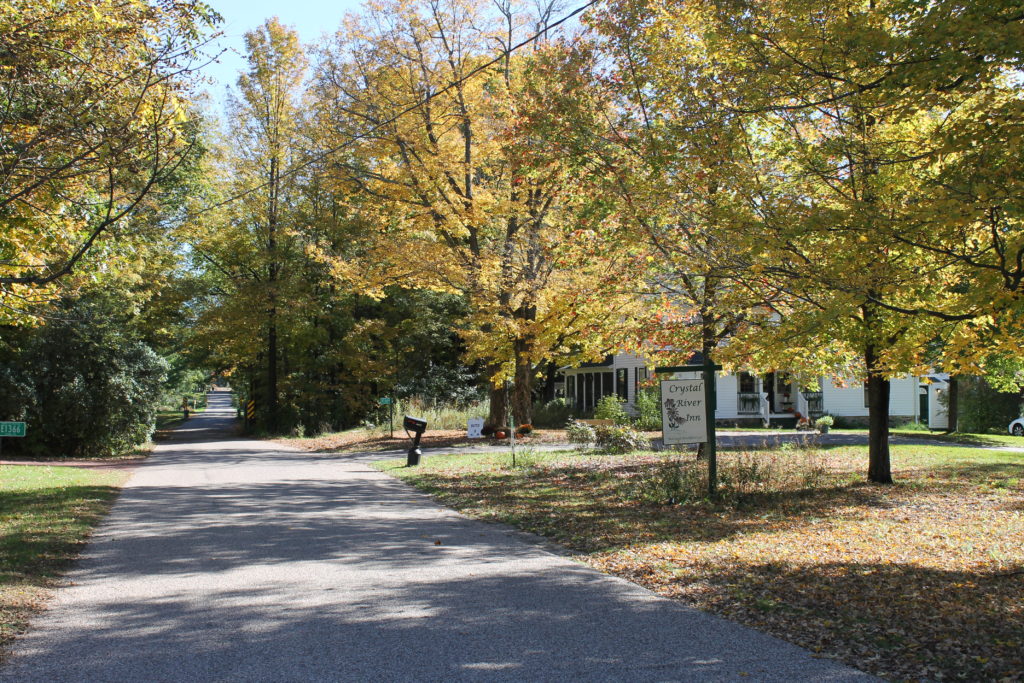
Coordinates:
[588,383]
[640,374]
[607,384]
[622,384]
[748,401]
[570,388]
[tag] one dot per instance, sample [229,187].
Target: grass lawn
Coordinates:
[920,580]
[46,514]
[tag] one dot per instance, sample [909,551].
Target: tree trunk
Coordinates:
[550,377]
[879,467]
[522,394]
[273,418]
[497,417]
[953,405]
[272,400]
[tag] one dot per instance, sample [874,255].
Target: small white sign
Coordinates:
[683,411]
[475,427]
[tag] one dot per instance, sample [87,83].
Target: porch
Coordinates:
[775,396]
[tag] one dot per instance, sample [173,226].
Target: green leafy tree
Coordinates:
[90,387]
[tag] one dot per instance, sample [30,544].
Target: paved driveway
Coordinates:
[224,560]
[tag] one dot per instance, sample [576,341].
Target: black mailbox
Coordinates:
[414,424]
[417,426]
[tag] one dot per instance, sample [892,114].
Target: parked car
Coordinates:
[1017,427]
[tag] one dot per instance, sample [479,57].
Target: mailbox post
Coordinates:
[417,425]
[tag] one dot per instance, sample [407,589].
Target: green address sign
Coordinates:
[12,429]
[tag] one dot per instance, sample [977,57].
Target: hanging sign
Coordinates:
[683,411]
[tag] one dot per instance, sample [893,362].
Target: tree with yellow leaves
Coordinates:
[444,157]
[94,128]
[844,107]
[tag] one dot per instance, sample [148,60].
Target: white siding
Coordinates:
[848,401]
[903,400]
[939,415]
[727,408]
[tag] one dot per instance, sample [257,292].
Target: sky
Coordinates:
[310,18]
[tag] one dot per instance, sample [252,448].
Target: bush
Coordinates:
[619,439]
[742,479]
[824,421]
[553,414]
[525,458]
[579,434]
[670,482]
[841,422]
[982,408]
[95,389]
[648,410]
[611,408]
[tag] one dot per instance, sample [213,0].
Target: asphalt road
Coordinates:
[231,560]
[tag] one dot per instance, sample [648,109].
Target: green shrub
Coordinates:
[841,422]
[648,409]
[619,439]
[553,414]
[824,421]
[670,482]
[581,435]
[611,408]
[524,458]
[742,479]
[981,408]
[93,387]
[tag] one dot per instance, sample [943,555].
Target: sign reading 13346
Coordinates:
[12,429]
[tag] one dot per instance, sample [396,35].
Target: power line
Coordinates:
[430,96]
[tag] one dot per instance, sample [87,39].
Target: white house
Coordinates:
[746,397]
